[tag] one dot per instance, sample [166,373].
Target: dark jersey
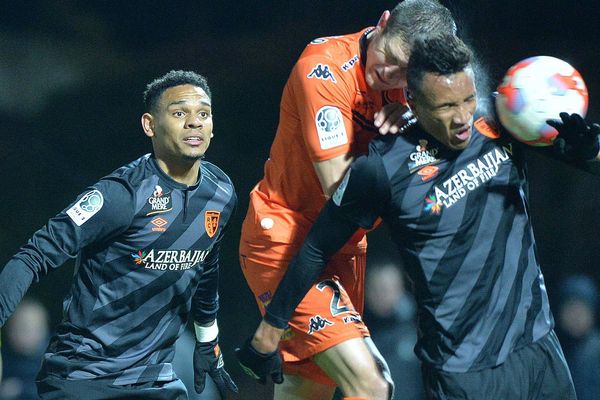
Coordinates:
[147,252]
[461,222]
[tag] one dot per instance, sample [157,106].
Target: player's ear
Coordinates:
[383,19]
[410,99]
[148,124]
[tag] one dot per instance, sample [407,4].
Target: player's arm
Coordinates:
[357,203]
[394,118]
[98,213]
[577,140]
[330,172]
[208,358]
[258,357]
[323,99]
[328,234]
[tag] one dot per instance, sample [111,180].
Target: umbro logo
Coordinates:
[322,72]
[317,323]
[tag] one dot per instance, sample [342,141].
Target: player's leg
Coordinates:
[325,318]
[352,365]
[557,382]
[51,387]
[296,387]
[536,371]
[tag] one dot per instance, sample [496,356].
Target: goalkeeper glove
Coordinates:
[259,365]
[576,140]
[208,359]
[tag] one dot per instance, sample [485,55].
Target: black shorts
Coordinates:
[537,371]
[52,387]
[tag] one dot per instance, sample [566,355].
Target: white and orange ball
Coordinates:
[537,89]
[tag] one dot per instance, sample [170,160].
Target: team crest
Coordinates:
[211,222]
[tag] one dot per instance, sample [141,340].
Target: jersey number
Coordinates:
[335,306]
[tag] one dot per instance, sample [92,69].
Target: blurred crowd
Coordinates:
[390,313]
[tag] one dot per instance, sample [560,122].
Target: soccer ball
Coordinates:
[535,90]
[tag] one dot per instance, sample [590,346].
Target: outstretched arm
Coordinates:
[577,140]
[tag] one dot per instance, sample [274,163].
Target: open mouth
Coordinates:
[194,140]
[464,134]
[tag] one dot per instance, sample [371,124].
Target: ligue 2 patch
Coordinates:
[211,222]
[88,205]
[330,127]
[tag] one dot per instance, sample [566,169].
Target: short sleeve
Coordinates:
[324,97]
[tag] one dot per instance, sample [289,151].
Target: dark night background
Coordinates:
[72,74]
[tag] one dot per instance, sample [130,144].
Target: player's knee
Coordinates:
[373,386]
[379,388]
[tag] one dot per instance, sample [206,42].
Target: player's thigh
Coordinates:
[556,382]
[295,387]
[263,276]
[324,318]
[51,388]
[536,371]
[349,363]
[350,271]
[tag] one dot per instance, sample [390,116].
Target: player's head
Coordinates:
[178,116]
[389,46]
[441,88]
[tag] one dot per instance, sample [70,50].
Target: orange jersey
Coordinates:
[326,110]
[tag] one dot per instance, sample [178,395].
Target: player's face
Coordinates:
[182,125]
[445,105]
[385,71]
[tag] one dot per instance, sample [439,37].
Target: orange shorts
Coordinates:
[326,316]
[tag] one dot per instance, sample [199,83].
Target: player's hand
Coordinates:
[259,365]
[208,359]
[576,140]
[394,118]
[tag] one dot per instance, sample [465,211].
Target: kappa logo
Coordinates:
[211,222]
[159,201]
[159,224]
[317,323]
[321,71]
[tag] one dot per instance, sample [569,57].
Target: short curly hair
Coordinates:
[171,79]
[440,54]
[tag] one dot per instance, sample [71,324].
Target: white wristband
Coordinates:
[206,333]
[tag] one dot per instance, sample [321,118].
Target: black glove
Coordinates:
[576,140]
[208,358]
[259,365]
